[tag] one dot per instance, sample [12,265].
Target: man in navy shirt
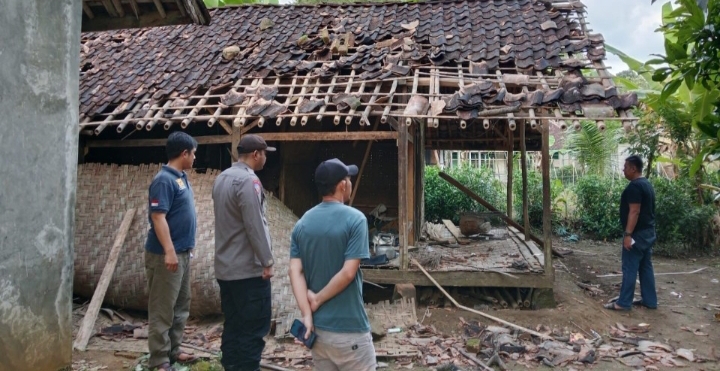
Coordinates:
[637,217]
[167,253]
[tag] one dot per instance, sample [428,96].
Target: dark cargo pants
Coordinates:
[247,309]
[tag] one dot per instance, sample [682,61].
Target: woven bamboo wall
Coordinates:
[105,192]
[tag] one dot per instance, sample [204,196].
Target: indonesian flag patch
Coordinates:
[154,203]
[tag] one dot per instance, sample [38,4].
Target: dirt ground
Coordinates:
[684,319]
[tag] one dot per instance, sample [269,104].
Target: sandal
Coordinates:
[613,306]
[640,303]
[185,358]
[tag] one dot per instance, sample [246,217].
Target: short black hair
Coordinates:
[327,190]
[636,161]
[177,143]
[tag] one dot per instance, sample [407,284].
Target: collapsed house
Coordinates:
[377,85]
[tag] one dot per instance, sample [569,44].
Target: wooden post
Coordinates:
[410,187]
[523,166]
[235,140]
[511,147]
[362,166]
[88,322]
[545,162]
[402,193]
[419,180]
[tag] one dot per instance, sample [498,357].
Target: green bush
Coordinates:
[535,198]
[444,201]
[681,223]
[598,203]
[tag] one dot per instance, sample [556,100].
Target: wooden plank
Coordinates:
[455,231]
[535,253]
[523,167]
[151,19]
[457,279]
[219,139]
[547,229]
[88,322]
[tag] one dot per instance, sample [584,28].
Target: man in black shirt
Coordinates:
[637,217]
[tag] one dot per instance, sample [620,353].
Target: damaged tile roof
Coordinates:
[123,66]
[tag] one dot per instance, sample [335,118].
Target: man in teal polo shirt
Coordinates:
[167,253]
[326,247]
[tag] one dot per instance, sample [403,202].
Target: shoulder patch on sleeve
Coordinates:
[257,186]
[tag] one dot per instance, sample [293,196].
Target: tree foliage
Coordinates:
[690,71]
[594,148]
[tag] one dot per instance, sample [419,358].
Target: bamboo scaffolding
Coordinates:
[220,108]
[391,96]
[304,119]
[348,88]
[348,118]
[158,116]
[408,120]
[261,120]
[301,97]
[327,97]
[510,117]
[366,113]
[195,110]
[240,119]
[461,85]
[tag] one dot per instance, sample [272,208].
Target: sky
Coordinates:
[628,25]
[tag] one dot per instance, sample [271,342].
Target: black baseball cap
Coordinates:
[252,142]
[332,171]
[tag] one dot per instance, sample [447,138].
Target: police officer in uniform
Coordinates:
[243,256]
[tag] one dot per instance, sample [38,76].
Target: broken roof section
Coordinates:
[101,15]
[455,60]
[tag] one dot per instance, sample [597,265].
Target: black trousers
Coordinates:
[247,309]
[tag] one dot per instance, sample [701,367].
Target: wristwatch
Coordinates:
[627,234]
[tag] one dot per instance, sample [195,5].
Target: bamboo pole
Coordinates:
[293,120]
[240,118]
[348,118]
[510,324]
[510,164]
[348,89]
[327,95]
[366,113]
[88,322]
[304,119]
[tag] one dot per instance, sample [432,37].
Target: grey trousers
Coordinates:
[168,306]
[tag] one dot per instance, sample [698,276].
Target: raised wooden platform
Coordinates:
[500,262]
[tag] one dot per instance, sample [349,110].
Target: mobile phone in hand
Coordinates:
[298,330]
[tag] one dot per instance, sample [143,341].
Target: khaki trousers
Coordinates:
[168,306]
[335,351]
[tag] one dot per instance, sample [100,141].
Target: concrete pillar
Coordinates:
[39,70]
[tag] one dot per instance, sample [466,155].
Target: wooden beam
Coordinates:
[208,139]
[523,167]
[109,8]
[545,163]
[457,279]
[410,186]
[87,10]
[119,8]
[419,181]
[153,19]
[88,322]
[282,137]
[402,193]
[160,8]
